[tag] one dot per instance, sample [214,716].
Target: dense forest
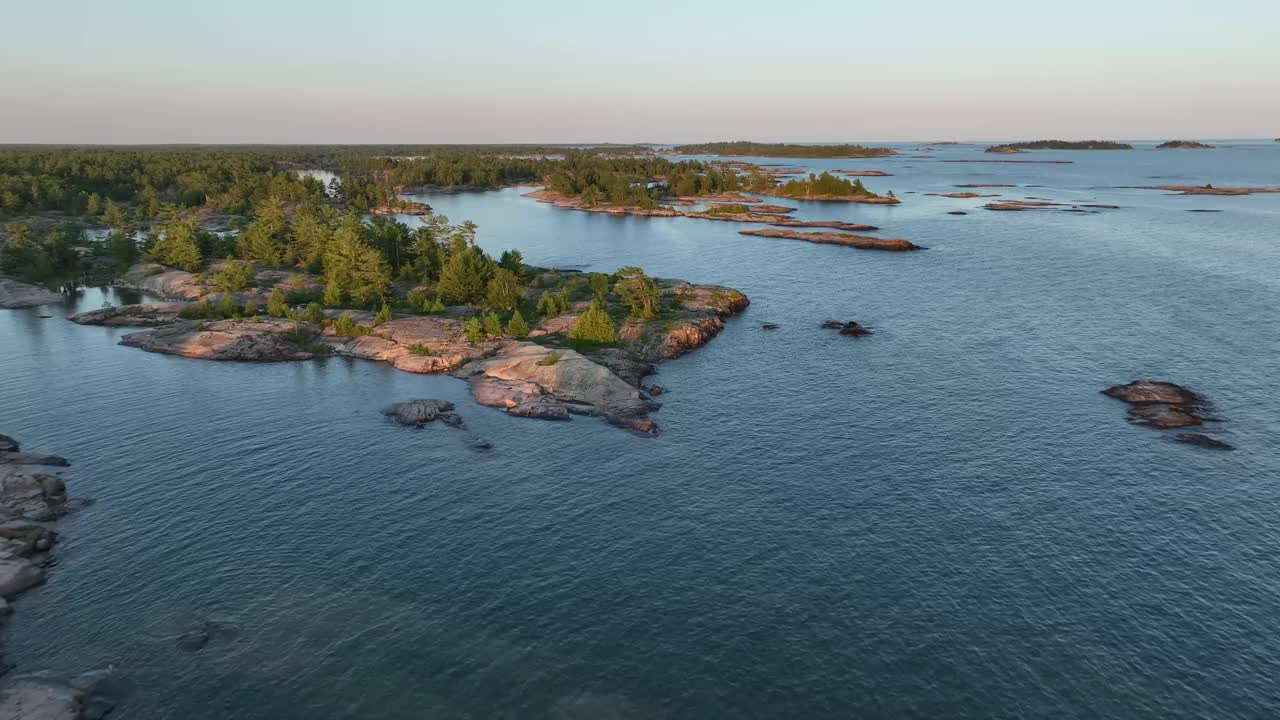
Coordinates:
[746,148]
[1060,145]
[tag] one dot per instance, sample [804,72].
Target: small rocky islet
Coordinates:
[545,375]
[1163,405]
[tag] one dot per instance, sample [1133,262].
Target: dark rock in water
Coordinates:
[1204,211]
[21,458]
[769,326]
[480,445]
[957,212]
[1203,441]
[205,632]
[1162,416]
[854,329]
[639,424]
[832,324]
[8,444]
[1152,391]
[655,390]
[417,413]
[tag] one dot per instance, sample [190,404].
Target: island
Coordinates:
[861,242]
[1059,145]
[1209,189]
[829,188]
[1183,145]
[746,148]
[535,342]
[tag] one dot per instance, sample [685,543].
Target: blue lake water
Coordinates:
[943,520]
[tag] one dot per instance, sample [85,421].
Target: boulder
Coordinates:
[417,413]
[1152,391]
[8,444]
[17,574]
[30,495]
[1162,416]
[847,328]
[769,326]
[544,409]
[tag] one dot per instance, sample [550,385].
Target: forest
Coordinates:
[824,185]
[1060,145]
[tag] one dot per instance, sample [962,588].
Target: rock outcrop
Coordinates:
[14,294]
[254,339]
[528,380]
[1183,145]
[850,328]
[147,315]
[165,282]
[1165,406]
[862,242]
[416,413]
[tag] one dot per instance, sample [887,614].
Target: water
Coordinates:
[945,519]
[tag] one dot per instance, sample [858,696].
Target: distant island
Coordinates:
[830,188]
[1183,145]
[1059,145]
[745,148]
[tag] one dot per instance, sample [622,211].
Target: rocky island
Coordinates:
[1059,145]
[745,148]
[595,338]
[1208,189]
[1183,145]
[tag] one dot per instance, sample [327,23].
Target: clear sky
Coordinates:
[135,71]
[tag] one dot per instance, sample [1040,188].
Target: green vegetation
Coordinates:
[516,326]
[594,326]
[600,286]
[728,209]
[552,358]
[234,276]
[473,329]
[505,291]
[419,349]
[384,315]
[824,185]
[755,149]
[277,307]
[1060,145]
[638,291]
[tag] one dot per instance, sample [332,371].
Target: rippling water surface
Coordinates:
[943,520]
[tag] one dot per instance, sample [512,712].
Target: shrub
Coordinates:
[250,309]
[516,326]
[345,326]
[384,315]
[233,277]
[492,325]
[600,286]
[594,326]
[473,330]
[227,306]
[419,349]
[552,358]
[315,312]
[276,305]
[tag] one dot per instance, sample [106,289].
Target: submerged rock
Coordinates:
[38,698]
[1152,391]
[769,326]
[206,632]
[850,328]
[417,413]
[21,458]
[1162,405]
[8,444]
[30,495]
[1203,441]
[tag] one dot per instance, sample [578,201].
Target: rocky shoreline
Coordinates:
[14,294]
[31,496]
[536,377]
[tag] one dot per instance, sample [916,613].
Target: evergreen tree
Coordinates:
[250,309]
[234,276]
[638,291]
[513,261]
[516,326]
[465,277]
[505,292]
[352,267]
[594,325]
[473,330]
[123,249]
[176,247]
[600,286]
[276,305]
[492,325]
[227,306]
[384,315]
[315,312]
[345,325]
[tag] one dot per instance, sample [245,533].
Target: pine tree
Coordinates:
[492,325]
[345,325]
[600,286]
[504,292]
[383,316]
[352,267]
[227,306]
[638,291]
[594,325]
[177,247]
[315,312]
[250,309]
[513,261]
[516,326]
[276,305]
[332,292]
[473,330]
[465,277]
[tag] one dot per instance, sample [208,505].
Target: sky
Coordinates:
[489,71]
